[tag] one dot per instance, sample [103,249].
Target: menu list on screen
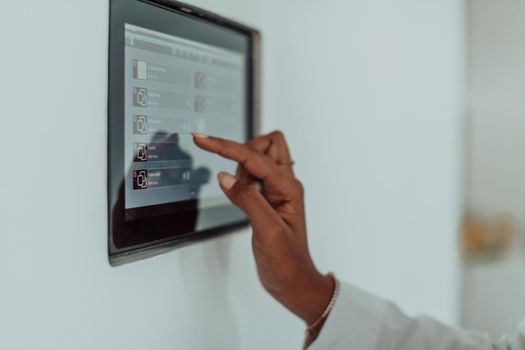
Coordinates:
[173,87]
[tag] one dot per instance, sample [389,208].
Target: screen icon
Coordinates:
[141,152]
[200,104]
[140,179]
[200,80]
[140,124]
[140,97]
[140,70]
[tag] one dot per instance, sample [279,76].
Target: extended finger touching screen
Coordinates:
[174,71]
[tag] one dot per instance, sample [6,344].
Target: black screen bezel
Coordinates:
[122,11]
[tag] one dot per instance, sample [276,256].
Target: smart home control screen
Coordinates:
[173,87]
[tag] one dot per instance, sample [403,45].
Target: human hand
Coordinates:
[277,216]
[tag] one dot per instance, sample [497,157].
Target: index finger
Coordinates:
[257,164]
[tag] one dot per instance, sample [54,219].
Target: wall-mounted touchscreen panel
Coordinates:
[174,70]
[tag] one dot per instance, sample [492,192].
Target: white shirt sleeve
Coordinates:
[362,321]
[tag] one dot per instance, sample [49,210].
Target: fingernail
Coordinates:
[198,135]
[226,180]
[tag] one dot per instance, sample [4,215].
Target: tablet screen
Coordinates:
[173,71]
[173,87]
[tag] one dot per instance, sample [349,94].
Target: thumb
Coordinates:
[260,213]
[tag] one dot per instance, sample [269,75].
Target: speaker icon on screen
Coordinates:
[140,179]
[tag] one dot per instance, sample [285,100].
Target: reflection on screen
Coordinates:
[173,87]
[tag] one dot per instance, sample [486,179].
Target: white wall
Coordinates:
[369,93]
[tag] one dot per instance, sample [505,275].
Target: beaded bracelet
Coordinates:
[312,329]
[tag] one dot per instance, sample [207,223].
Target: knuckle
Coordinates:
[297,187]
[277,134]
[245,155]
[257,144]
[256,140]
[247,158]
[252,143]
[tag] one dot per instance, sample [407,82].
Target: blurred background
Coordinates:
[493,242]
[405,119]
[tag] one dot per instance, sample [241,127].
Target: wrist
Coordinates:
[314,328]
[309,297]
